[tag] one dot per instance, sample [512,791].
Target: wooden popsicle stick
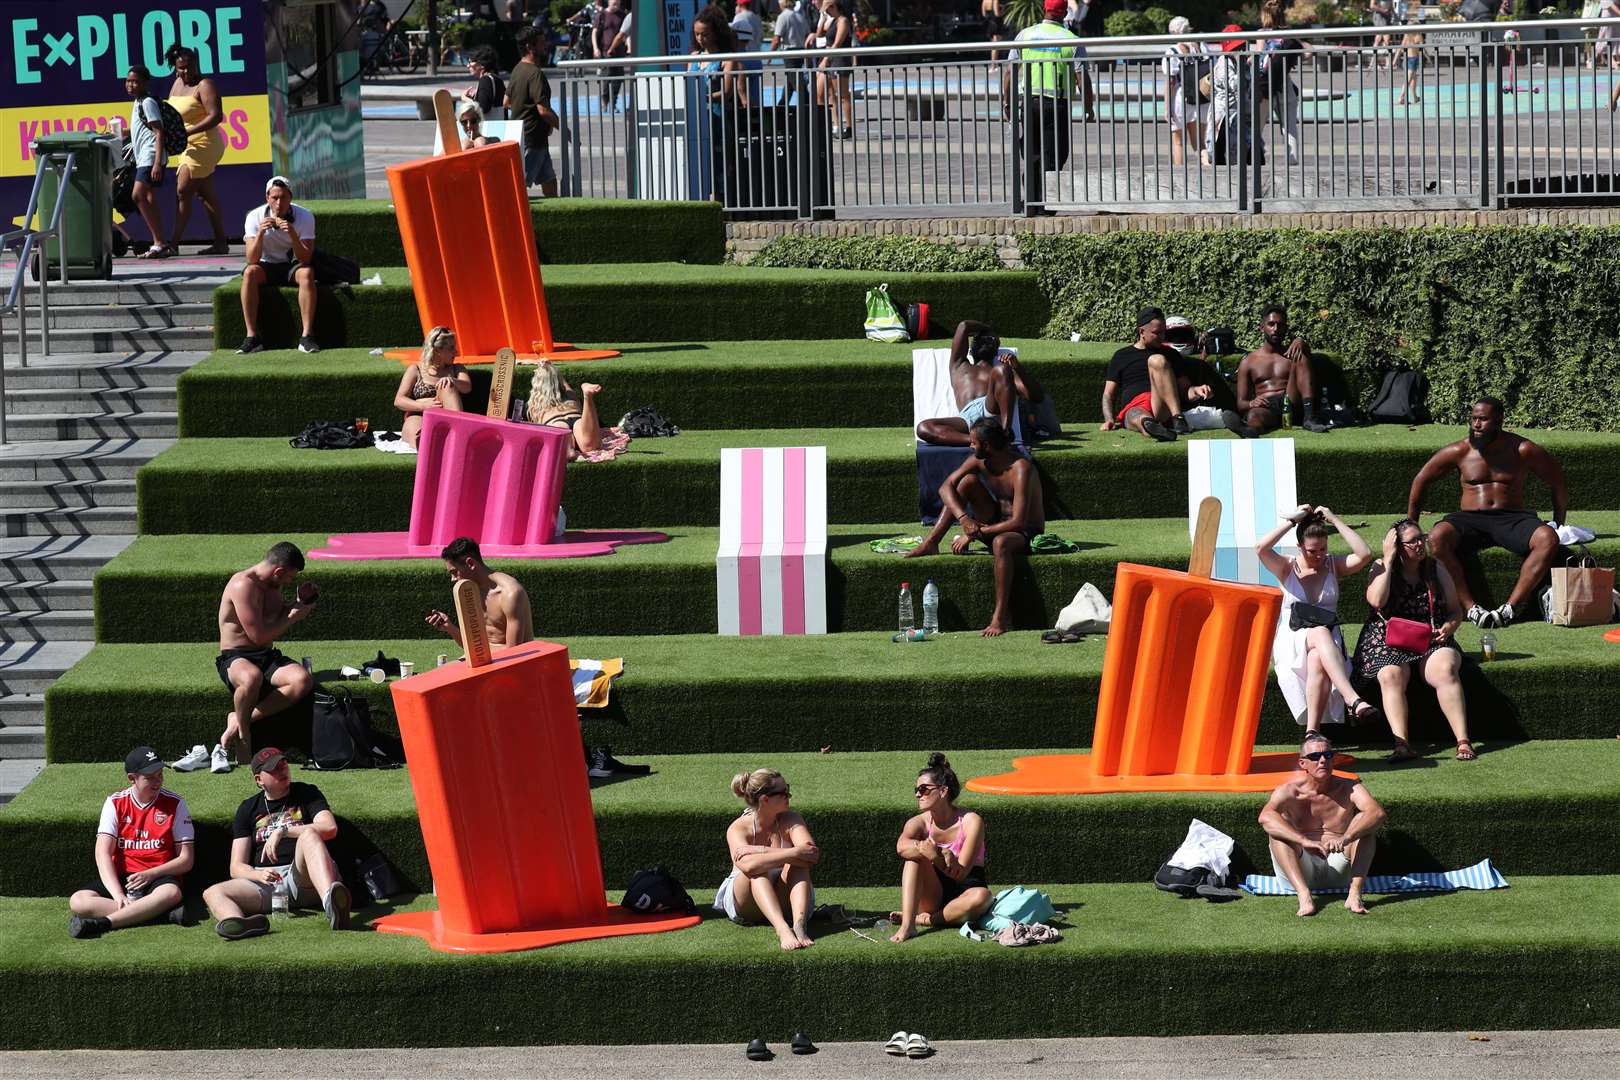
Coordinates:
[470,617]
[500,384]
[444,111]
[1205,533]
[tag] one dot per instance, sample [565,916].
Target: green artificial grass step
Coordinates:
[1535,808]
[198,485]
[606,303]
[1544,953]
[843,382]
[163,588]
[565,231]
[700,693]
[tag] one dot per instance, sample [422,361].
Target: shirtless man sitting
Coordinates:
[507,619]
[981,387]
[996,495]
[253,613]
[1492,464]
[1153,379]
[1314,816]
[1280,368]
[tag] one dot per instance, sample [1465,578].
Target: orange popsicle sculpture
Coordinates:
[493,748]
[1182,684]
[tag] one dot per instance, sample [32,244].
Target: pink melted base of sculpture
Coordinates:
[495,481]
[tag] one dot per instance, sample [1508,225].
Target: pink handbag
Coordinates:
[1409,634]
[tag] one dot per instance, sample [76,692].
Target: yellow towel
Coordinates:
[593,679]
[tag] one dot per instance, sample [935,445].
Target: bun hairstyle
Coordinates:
[939,771]
[1313,526]
[748,786]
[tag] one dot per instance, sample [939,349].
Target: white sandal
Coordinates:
[896,1044]
[917,1046]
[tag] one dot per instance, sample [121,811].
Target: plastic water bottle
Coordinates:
[1288,414]
[908,614]
[930,609]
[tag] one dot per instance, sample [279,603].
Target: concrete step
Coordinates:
[90,521]
[157,292]
[64,494]
[67,426]
[48,626]
[15,775]
[30,667]
[22,742]
[91,402]
[22,711]
[37,560]
[78,459]
[76,594]
[126,335]
[152,316]
[99,371]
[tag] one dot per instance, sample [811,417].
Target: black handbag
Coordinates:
[333,269]
[1303,616]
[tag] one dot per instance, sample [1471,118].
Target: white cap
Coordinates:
[274,180]
[1176,322]
[1180,25]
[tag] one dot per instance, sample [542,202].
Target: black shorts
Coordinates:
[277,274]
[268,661]
[1480,529]
[950,888]
[100,889]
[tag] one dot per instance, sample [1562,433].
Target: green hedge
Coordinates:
[880,253]
[1543,954]
[1524,313]
[700,693]
[607,303]
[197,486]
[565,230]
[1551,808]
[166,588]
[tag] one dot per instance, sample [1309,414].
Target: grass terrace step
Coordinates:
[701,693]
[849,382]
[1534,808]
[1544,953]
[565,230]
[165,588]
[871,476]
[606,303]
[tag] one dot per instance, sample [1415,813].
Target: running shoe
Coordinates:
[197,759]
[219,761]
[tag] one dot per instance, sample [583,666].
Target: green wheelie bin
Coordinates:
[87,217]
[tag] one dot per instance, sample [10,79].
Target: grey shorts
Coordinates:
[1318,874]
[537,167]
[302,895]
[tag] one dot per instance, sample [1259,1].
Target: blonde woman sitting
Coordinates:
[772,852]
[550,404]
[434,382]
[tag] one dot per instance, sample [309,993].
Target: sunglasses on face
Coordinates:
[1320,755]
[923,789]
[783,792]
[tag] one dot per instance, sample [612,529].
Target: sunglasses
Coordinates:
[784,792]
[1320,755]
[923,789]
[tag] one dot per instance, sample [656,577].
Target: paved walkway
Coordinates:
[1511,1055]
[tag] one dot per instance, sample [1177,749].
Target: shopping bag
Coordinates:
[1582,592]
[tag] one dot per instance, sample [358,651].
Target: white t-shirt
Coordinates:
[276,246]
[749,28]
[143,141]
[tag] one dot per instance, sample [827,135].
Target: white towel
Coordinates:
[1205,846]
[392,446]
[1573,534]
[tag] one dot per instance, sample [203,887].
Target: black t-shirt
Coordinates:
[258,815]
[1129,369]
[529,90]
[490,96]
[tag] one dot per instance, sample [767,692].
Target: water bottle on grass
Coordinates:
[930,609]
[908,614]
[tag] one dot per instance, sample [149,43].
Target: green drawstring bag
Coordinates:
[883,321]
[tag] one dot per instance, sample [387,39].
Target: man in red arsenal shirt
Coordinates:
[143,849]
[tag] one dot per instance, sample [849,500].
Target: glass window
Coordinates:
[309,36]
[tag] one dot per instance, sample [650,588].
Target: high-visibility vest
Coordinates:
[1048,70]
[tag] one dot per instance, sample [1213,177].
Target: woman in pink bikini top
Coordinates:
[943,881]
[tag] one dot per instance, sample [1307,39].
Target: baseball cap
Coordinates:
[266,760]
[274,180]
[142,760]
[1147,315]
[1232,28]
[1056,9]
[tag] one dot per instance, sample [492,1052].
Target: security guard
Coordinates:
[1046,78]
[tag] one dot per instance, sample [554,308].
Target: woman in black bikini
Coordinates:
[1407,583]
[943,882]
[550,403]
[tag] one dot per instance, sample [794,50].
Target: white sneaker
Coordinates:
[1504,615]
[1483,618]
[219,761]
[197,759]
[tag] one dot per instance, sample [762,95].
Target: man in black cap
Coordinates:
[143,849]
[278,845]
[1155,387]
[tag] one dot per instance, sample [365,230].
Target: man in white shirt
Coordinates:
[280,238]
[748,26]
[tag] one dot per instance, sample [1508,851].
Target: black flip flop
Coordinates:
[758,1051]
[1053,637]
[801,1044]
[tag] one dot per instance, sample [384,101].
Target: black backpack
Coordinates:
[1403,398]
[330,435]
[1193,69]
[654,891]
[340,735]
[174,128]
[1200,881]
[646,423]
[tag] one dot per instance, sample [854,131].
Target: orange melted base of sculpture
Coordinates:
[1070,774]
[616,922]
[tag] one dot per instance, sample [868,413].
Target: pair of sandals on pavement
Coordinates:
[912,1045]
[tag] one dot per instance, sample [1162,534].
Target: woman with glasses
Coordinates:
[471,119]
[772,852]
[943,881]
[1308,650]
[1409,587]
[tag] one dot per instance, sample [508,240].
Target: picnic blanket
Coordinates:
[1482,875]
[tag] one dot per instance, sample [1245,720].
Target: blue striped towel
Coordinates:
[1482,875]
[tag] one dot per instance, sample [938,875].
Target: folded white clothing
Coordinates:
[392,446]
[1573,534]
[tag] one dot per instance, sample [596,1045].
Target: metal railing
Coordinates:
[30,244]
[1470,115]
